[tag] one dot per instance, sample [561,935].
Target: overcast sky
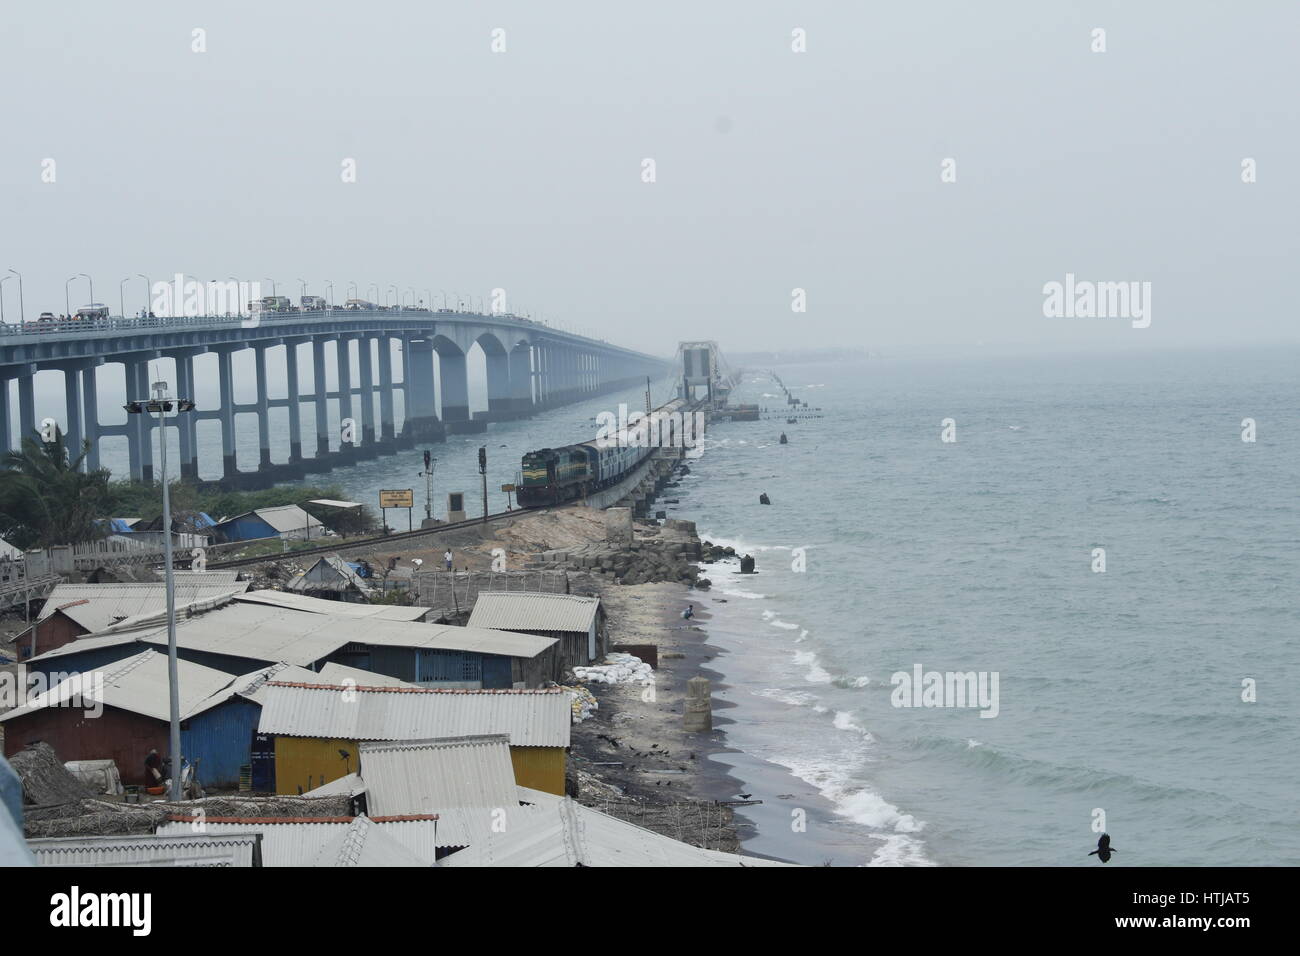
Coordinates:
[775,170]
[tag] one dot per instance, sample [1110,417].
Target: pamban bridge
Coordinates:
[529,366]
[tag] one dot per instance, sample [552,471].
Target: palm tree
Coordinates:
[45,497]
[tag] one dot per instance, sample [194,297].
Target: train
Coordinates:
[556,476]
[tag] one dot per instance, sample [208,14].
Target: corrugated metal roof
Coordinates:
[350,784]
[148,849]
[137,684]
[261,632]
[340,674]
[286,518]
[334,503]
[312,605]
[530,718]
[203,577]
[97,606]
[298,841]
[533,611]
[430,776]
[253,685]
[346,577]
[362,843]
[561,832]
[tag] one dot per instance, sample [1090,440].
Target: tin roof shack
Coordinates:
[577,623]
[315,605]
[558,831]
[306,841]
[72,610]
[245,635]
[119,713]
[312,726]
[287,521]
[331,578]
[148,849]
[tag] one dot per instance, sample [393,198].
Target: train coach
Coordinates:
[552,476]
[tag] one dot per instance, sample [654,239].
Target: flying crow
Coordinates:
[1104,849]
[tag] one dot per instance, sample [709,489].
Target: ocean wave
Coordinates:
[795,698]
[815,674]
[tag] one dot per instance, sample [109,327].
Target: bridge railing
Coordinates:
[123,324]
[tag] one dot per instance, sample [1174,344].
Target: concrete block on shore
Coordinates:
[698,715]
[618,526]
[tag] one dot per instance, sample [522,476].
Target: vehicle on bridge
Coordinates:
[360,305]
[94,312]
[312,303]
[552,476]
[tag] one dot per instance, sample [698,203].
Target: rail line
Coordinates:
[345,545]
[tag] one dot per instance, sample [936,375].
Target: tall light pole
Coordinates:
[429,293]
[67,298]
[148,291]
[375,286]
[392,289]
[444,298]
[303,290]
[22,318]
[329,294]
[272,281]
[92,286]
[160,405]
[121,296]
[352,288]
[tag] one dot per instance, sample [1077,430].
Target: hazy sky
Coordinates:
[775,170]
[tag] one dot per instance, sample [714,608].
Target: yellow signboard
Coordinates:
[397,499]
[507,487]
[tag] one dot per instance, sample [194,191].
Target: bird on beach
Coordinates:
[1104,849]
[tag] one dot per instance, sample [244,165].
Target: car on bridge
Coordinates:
[94,312]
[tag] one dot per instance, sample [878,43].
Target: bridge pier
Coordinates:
[293,397]
[263,409]
[499,395]
[226,416]
[26,406]
[453,393]
[422,423]
[90,412]
[343,357]
[366,376]
[189,446]
[521,381]
[321,461]
[387,427]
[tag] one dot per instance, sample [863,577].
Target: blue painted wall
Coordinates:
[221,739]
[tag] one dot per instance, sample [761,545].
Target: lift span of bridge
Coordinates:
[529,367]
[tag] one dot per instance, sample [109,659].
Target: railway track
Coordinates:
[348,544]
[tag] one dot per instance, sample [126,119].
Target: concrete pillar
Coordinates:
[225,382]
[185,423]
[344,357]
[6,438]
[387,428]
[72,399]
[499,395]
[134,457]
[521,381]
[421,411]
[263,409]
[291,390]
[90,414]
[698,716]
[146,422]
[26,408]
[453,387]
[366,376]
[543,381]
[322,409]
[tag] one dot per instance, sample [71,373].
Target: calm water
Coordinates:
[1118,690]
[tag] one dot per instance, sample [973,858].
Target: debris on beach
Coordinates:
[617,669]
[584,703]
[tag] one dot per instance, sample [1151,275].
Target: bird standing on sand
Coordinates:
[1104,849]
[689,612]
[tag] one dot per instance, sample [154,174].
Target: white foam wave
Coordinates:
[816,674]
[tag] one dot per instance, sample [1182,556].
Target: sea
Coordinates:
[1096,548]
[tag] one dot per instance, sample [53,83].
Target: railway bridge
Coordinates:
[529,366]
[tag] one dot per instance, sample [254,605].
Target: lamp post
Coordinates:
[67,299]
[272,281]
[92,286]
[329,294]
[121,296]
[303,284]
[160,405]
[22,319]
[148,291]
[429,293]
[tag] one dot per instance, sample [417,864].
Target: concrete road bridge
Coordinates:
[529,366]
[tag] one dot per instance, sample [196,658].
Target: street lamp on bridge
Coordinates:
[303,284]
[272,281]
[329,294]
[161,405]
[21,317]
[148,291]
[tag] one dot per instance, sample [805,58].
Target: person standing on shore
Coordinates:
[446,559]
[689,612]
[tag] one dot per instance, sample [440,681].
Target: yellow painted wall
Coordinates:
[300,761]
[541,768]
[310,762]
